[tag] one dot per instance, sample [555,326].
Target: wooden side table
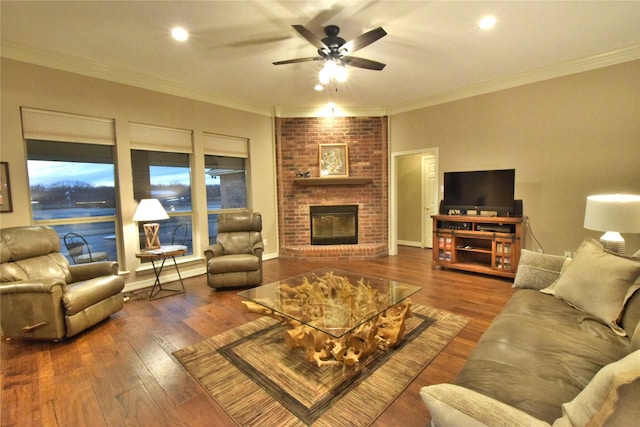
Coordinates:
[161,255]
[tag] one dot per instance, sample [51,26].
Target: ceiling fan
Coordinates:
[335,49]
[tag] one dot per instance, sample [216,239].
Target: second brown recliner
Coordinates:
[236,259]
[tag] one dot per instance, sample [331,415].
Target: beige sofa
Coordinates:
[565,350]
[42,296]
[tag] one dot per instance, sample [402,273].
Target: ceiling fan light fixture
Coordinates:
[324,77]
[487,22]
[179,34]
[340,73]
[332,71]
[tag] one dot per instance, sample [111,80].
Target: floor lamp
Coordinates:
[614,214]
[149,211]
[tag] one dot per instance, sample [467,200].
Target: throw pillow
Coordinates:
[597,282]
[604,393]
[536,270]
[635,340]
[631,313]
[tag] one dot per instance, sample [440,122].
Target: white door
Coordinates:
[429,198]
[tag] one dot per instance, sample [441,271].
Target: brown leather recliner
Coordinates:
[42,296]
[236,258]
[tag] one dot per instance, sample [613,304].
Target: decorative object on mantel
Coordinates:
[306,174]
[334,160]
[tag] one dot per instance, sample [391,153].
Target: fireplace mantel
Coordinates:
[297,151]
[345,180]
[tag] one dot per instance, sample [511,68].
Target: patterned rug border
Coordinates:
[221,378]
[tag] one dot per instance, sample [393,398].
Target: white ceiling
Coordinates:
[434,51]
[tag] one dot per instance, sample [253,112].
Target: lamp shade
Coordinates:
[150,210]
[613,212]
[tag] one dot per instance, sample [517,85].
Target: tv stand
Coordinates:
[480,244]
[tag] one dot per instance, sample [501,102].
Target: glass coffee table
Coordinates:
[338,316]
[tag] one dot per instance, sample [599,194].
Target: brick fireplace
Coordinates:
[297,152]
[334,224]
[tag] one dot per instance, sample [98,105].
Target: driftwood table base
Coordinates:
[334,300]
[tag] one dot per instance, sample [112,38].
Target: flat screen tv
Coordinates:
[489,190]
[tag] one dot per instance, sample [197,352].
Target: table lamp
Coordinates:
[614,214]
[150,210]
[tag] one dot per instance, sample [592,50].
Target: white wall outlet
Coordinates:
[264,241]
[568,254]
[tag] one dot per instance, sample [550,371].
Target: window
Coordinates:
[72,189]
[226,181]
[167,177]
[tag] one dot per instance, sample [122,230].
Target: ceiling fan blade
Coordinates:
[311,38]
[294,61]
[364,63]
[363,40]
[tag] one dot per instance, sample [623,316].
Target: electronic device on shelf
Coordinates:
[495,228]
[481,191]
[455,225]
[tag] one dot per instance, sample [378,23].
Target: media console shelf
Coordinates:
[481,244]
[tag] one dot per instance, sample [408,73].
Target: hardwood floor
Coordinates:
[122,371]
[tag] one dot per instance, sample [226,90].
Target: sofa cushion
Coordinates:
[537,270]
[452,405]
[539,353]
[53,265]
[599,400]
[80,295]
[631,314]
[234,263]
[17,243]
[634,345]
[597,282]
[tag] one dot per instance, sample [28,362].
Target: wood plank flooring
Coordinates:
[122,372]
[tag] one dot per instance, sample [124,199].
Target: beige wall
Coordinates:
[409,199]
[38,87]
[567,138]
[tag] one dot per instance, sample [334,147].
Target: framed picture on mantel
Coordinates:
[334,160]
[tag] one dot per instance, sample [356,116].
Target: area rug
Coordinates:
[258,381]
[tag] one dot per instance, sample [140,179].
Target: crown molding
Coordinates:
[94,69]
[330,111]
[103,71]
[619,56]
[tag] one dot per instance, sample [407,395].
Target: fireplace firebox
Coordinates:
[334,225]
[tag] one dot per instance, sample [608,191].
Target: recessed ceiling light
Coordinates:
[487,22]
[179,34]
[318,87]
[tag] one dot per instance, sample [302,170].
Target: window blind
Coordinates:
[158,138]
[65,127]
[223,145]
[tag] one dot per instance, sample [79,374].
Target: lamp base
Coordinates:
[613,242]
[151,235]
